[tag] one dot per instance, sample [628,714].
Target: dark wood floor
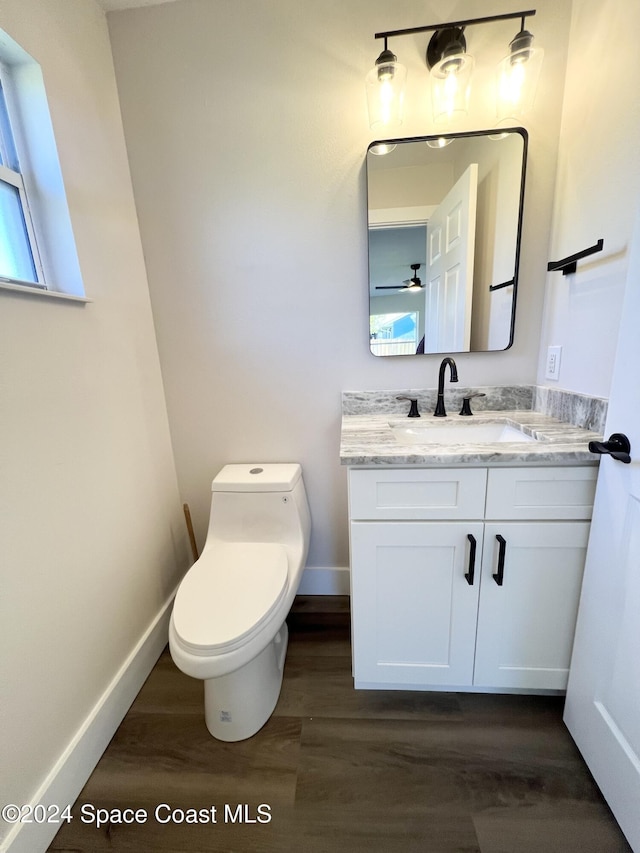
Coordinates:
[344,770]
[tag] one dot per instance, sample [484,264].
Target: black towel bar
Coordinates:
[504,284]
[569,265]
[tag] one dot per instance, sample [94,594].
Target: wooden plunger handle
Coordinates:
[192,538]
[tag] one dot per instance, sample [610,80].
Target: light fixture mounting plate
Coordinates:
[441,40]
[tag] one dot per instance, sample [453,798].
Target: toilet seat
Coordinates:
[228,594]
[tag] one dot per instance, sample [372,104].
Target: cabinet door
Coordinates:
[526,625]
[413,611]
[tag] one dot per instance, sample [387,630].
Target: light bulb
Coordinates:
[385,91]
[517,77]
[451,86]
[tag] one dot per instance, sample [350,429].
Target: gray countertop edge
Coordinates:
[367,440]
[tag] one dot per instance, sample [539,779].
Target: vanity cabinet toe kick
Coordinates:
[467,579]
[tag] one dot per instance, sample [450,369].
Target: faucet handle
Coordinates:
[466,408]
[413,409]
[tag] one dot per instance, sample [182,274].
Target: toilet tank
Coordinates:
[272,477]
[260,503]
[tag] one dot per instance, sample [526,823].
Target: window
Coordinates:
[394,334]
[37,247]
[19,257]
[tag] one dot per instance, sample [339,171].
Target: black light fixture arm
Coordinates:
[456,24]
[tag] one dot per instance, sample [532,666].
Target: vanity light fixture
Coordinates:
[451,69]
[517,76]
[385,90]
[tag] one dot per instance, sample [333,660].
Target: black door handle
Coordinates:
[502,550]
[472,560]
[618,447]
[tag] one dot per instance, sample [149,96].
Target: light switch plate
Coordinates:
[553,362]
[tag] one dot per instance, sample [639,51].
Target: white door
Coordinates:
[603,699]
[451,235]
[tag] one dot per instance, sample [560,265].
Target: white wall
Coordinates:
[92,540]
[407,186]
[598,186]
[246,129]
[498,206]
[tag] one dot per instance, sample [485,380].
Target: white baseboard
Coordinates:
[325,581]
[70,773]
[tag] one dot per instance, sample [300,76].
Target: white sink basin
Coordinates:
[430,432]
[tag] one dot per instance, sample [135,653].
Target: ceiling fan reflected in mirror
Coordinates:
[409,284]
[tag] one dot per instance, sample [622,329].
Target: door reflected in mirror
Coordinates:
[444,221]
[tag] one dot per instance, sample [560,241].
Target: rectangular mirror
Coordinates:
[444,220]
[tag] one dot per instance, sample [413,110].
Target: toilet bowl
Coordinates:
[228,621]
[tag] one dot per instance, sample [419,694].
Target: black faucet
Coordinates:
[413,408]
[440,411]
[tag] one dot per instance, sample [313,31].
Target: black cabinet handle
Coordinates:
[502,550]
[469,575]
[618,447]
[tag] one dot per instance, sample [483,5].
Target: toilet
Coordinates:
[228,621]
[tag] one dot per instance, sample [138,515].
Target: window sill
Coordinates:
[37,291]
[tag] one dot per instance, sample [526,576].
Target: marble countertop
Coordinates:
[368,439]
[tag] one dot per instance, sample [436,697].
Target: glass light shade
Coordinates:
[382,148]
[439,142]
[385,94]
[517,80]
[451,86]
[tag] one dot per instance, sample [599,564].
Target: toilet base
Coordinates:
[238,705]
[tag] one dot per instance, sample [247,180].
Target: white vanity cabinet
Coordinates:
[466,578]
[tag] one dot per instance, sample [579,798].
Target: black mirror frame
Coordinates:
[465,135]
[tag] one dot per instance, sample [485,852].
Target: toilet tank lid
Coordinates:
[270,477]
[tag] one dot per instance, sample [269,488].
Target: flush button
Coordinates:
[256,470]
